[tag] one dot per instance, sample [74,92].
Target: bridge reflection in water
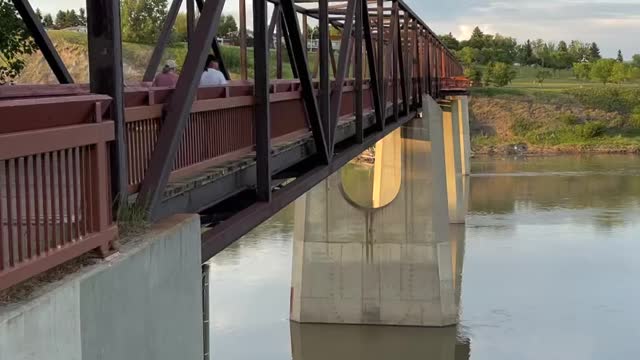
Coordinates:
[349,342]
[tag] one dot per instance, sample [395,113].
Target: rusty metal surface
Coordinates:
[54,195]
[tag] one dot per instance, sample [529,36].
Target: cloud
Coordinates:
[613,24]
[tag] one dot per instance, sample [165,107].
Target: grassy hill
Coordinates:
[72,47]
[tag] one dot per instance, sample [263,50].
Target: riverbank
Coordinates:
[579,120]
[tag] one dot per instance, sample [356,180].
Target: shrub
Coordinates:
[622,100]
[590,130]
[634,119]
[522,127]
[499,74]
[568,119]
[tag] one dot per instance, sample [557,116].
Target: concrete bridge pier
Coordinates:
[371,242]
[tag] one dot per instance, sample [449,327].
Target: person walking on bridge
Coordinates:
[168,76]
[211,75]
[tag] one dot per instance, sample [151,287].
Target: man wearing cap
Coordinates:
[168,76]
[211,75]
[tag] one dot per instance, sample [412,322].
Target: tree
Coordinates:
[579,51]
[72,18]
[542,75]
[47,21]
[39,14]
[477,39]
[227,25]
[142,20]
[525,54]
[620,58]
[61,20]
[315,32]
[450,41]
[15,42]
[582,70]
[603,70]
[468,55]
[620,72]
[474,73]
[636,60]
[82,17]
[499,74]
[562,46]
[594,52]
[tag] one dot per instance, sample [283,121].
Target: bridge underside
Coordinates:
[232,209]
[236,153]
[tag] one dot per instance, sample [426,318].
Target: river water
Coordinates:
[551,271]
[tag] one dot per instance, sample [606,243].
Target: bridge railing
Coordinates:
[455,83]
[54,183]
[220,126]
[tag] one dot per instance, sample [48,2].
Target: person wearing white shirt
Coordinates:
[211,75]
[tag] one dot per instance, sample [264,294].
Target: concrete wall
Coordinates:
[144,303]
[391,265]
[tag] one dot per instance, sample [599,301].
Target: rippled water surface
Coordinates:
[551,271]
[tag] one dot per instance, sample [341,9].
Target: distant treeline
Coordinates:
[488,58]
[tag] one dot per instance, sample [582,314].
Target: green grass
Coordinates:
[561,80]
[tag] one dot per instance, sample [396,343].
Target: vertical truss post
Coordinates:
[407,57]
[305,35]
[419,69]
[279,50]
[412,53]
[373,72]
[338,85]
[191,21]
[262,113]
[318,128]
[43,41]
[105,77]
[243,40]
[394,63]
[403,72]
[163,40]
[359,72]
[429,64]
[389,53]
[323,48]
[381,69]
[177,111]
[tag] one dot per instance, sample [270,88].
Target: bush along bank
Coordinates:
[603,120]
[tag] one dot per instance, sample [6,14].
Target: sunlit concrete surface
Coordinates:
[453,161]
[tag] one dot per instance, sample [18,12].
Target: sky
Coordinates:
[612,24]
